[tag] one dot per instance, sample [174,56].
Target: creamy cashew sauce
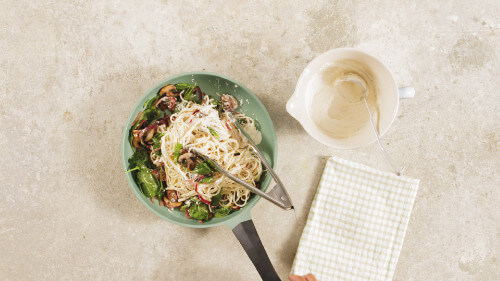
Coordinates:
[337,105]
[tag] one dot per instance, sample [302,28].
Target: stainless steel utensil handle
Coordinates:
[278,190]
[249,186]
[278,193]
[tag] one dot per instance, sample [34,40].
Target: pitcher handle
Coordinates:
[406,92]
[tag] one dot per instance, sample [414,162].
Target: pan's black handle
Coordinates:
[249,239]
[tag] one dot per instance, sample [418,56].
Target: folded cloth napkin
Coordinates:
[356,225]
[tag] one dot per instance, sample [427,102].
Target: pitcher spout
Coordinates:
[294,108]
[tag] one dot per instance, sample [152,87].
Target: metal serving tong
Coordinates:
[277,195]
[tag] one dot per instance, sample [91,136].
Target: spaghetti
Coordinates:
[202,127]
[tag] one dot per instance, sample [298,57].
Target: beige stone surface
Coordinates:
[72,70]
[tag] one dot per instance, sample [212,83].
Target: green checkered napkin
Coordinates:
[356,225]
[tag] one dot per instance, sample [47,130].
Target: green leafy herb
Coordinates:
[216,199]
[207,180]
[189,96]
[203,169]
[150,103]
[157,139]
[148,184]
[188,90]
[222,212]
[131,137]
[218,105]
[150,112]
[183,87]
[211,164]
[177,151]
[213,132]
[138,158]
[199,211]
[137,123]
[184,208]
[133,169]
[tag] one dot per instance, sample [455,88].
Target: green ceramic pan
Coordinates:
[239,221]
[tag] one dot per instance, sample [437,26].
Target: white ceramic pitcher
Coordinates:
[298,106]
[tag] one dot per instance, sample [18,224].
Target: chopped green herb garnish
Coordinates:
[218,105]
[188,94]
[202,169]
[157,140]
[207,180]
[211,164]
[177,152]
[183,87]
[213,132]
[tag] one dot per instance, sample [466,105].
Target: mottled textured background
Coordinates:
[72,70]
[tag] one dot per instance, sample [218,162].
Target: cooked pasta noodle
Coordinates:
[202,127]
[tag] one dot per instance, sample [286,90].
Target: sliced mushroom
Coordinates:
[190,164]
[149,135]
[161,103]
[187,159]
[170,199]
[173,205]
[185,156]
[229,103]
[136,141]
[171,102]
[167,90]
[162,121]
[164,103]
[172,196]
